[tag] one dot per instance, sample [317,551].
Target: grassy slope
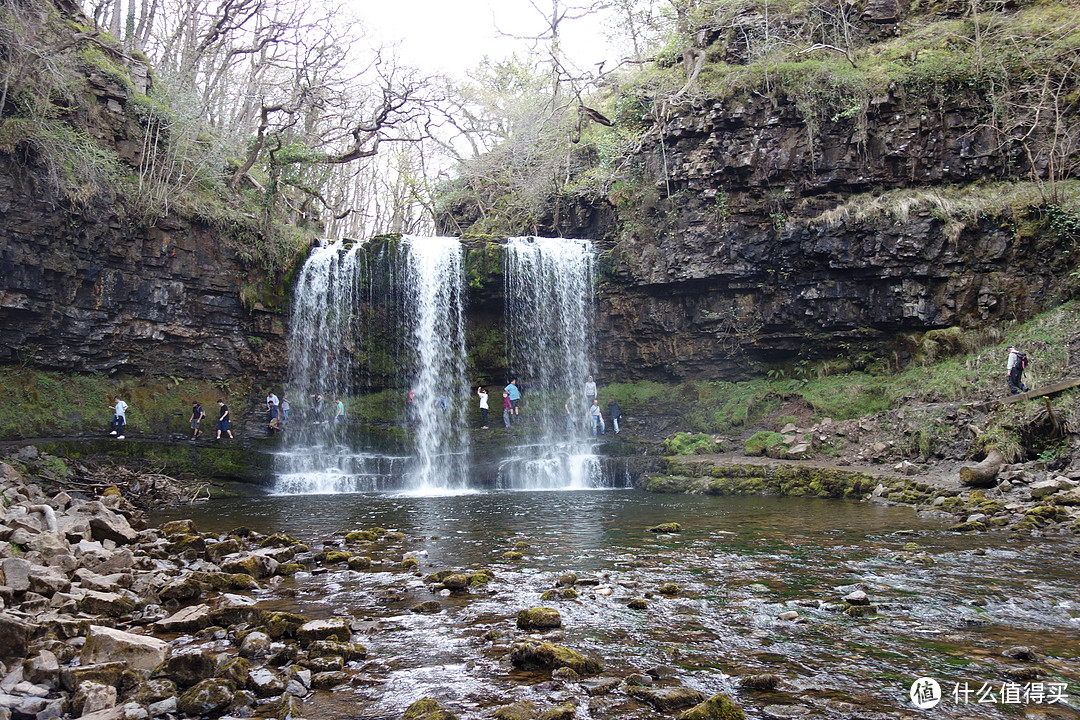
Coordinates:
[948,366]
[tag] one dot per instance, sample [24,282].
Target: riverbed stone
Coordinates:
[786,712]
[155,690]
[1021,652]
[548,656]
[669,589]
[566,580]
[324,663]
[208,697]
[668,698]
[43,669]
[266,683]
[109,604]
[563,711]
[15,633]
[521,710]
[765,682]
[107,525]
[331,629]
[718,707]
[858,597]
[108,673]
[188,666]
[91,697]
[105,645]
[666,528]
[539,618]
[16,574]
[255,645]
[189,619]
[600,685]
[330,679]
[282,624]
[428,607]
[428,709]
[457,581]
[348,650]
[250,563]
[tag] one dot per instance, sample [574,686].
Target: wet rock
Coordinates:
[347,650]
[1022,674]
[359,562]
[266,683]
[789,616]
[155,690]
[513,556]
[668,527]
[1021,652]
[109,604]
[106,645]
[667,699]
[566,580]
[328,680]
[637,604]
[324,663]
[565,674]
[764,682]
[859,611]
[548,656]
[179,527]
[565,593]
[562,711]
[429,607]
[332,629]
[521,710]
[857,597]
[190,619]
[181,589]
[255,645]
[539,618]
[188,666]
[91,697]
[669,589]
[256,564]
[456,581]
[427,709]
[639,680]
[104,673]
[209,697]
[718,707]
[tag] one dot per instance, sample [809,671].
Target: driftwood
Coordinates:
[983,475]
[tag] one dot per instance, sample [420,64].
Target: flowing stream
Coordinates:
[947,605]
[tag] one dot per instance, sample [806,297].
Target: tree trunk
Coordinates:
[983,475]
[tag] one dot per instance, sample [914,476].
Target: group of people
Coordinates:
[118,425]
[512,407]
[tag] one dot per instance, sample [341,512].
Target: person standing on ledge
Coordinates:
[515,397]
[571,406]
[197,415]
[507,406]
[614,412]
[597,418]
[1015,369]
[223,420]
[119,420]
[339,416]
[590,392]
[482,394]
[285,407]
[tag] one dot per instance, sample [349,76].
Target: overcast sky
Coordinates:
[452,36]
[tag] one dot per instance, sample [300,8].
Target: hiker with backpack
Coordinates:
[1018,362]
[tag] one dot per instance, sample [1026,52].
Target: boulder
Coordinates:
[106,525]
[427,709]
[265,682]
[92,697]
[667,699]
[718,707]
[43,669]
[332,629]
[531,654]
[15,573]
[108,604]
[539,618]
[189,619]
[255,645]
[209,697]
[105,673]
[14,635]
[53,547]
[189,666]
[255,564]
[140,652]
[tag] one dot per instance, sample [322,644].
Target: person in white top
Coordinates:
[1014,370]
[590,391]
[482,393]
[119,418]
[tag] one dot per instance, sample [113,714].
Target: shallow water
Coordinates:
[948,604]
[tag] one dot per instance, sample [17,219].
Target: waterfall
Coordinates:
[411,293]
[438,389]
[549,318]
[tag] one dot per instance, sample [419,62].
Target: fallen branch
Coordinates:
[983,475]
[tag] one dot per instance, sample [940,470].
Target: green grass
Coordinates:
[50,404]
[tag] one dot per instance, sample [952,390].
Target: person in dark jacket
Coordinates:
[614,412]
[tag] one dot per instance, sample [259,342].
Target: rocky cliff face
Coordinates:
[739,243]
[83,288]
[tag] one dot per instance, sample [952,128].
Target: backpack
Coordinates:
[1022,359]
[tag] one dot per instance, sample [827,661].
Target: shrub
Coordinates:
[761,441]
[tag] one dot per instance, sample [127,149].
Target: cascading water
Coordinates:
[549,319]
[436,313]
[318,459]
[413,292]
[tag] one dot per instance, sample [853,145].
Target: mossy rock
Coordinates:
[667,528]
[539,618]
[235,670]
[279,540]
[637,604]
[174,527]
[206,698]
[718,707]
[362,536]
[349,651]
[428,709]
[333,557]
[532,654]
[562,711]
[765,682]
[330,679]
[438,577]
[560,594]
[181,543]
[669,589]
[567,580]
[972,526]
[359,562]
[410,563]
[481,577]
[761,442]
[293,568]
[282,624]
[521,710]
[521,545]
[513,556]
[323,663]
[860,611]
[112,491]
[429,607]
